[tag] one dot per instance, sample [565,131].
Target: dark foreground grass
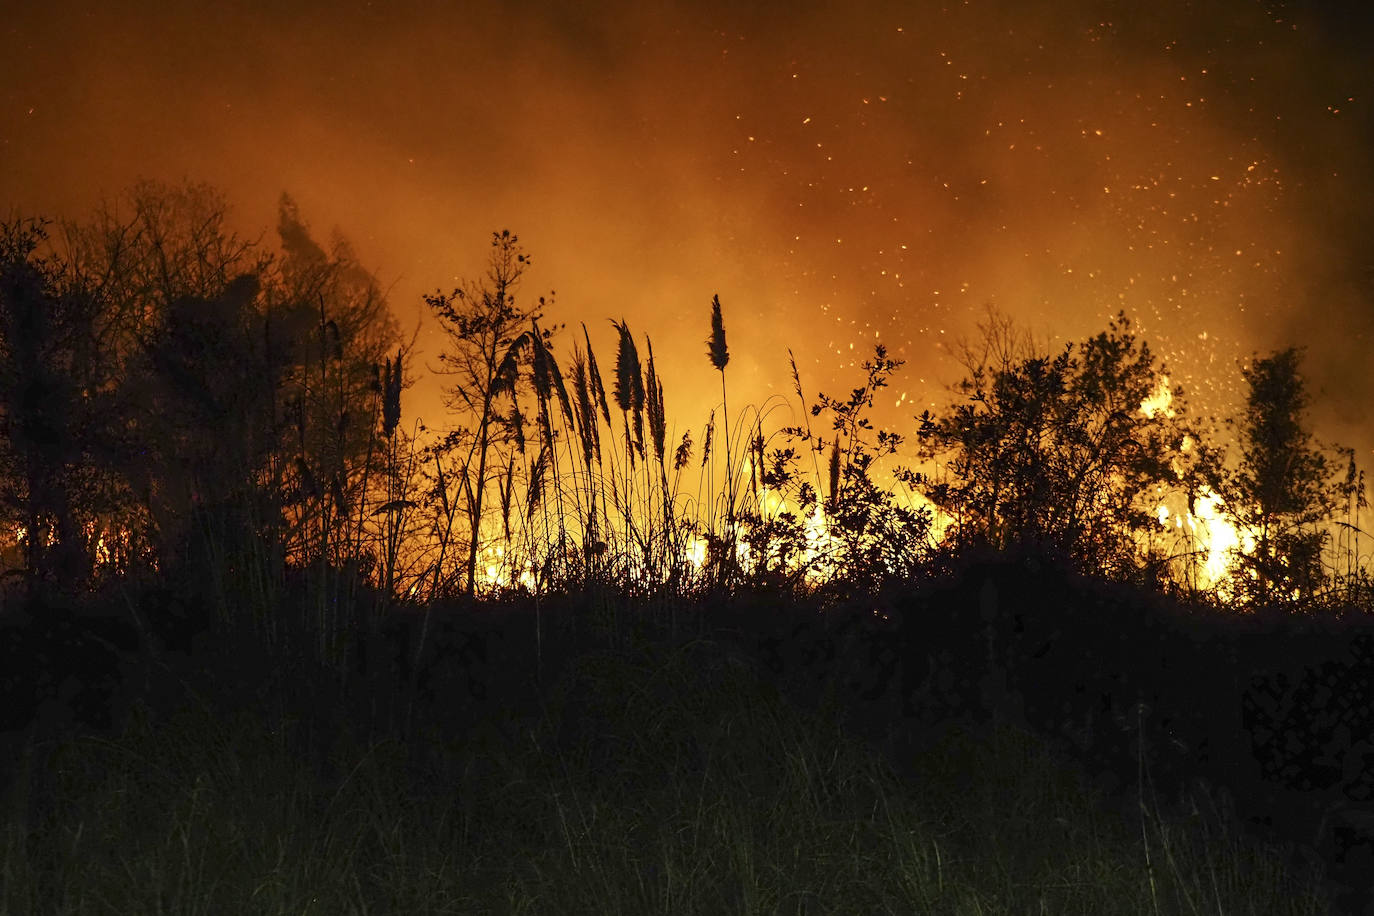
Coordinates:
[655,781]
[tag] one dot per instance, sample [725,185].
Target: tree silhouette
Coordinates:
[1282,488]
[1057,451]
[177,290]
[876,536]
[486,331]
[177,399]
[248,380]
[332,332]
[48,374]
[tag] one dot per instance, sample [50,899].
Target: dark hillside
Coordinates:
[1273,710]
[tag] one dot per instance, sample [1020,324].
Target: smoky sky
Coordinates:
[839,173]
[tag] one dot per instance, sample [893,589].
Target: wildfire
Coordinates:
[1210,540]
[818,541]
[1161,401]
[496,569]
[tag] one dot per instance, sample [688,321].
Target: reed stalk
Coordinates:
[720,357]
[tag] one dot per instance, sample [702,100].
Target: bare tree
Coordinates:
[331,330]
[486,331]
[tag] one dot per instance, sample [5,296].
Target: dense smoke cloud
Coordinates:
[834,172]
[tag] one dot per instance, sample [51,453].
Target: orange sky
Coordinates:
[831,170]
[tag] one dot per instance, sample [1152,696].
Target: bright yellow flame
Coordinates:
[495,570]
[1213,540]
[1161,401]
[1210,534]
[820,543]
[696,552]
[1222,538]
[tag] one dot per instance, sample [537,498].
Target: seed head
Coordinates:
[716,348]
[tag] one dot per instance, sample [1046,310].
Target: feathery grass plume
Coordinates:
[835,475]
[658,429]
[539,362]
[706,440]
[586,410]
[509,368]
[560,388]
[589,438]
[629,383]
[684,452]
[543,380]
[662,432]
[391,397]
[536,485]
[336,489]
[548,378]
[548,382]
[658,423]
[517,428]
[717,350]
[594,375]
[719,357]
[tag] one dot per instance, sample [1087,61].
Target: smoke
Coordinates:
[835,172]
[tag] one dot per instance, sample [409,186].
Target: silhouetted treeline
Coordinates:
[176,397]
[183,404]
[205,456]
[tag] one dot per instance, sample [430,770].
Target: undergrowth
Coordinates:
[668,779]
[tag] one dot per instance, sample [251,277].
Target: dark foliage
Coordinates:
[241,418]
[1282,488]
[1054,451]
[1271,710]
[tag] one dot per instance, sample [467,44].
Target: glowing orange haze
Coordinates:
[881,170]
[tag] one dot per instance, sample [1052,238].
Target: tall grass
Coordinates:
[719,354]
[602,507]
[666,778]
[652,781]
[585,502]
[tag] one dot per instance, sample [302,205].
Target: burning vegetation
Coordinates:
[559,600]
[179,399]
[214,439]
